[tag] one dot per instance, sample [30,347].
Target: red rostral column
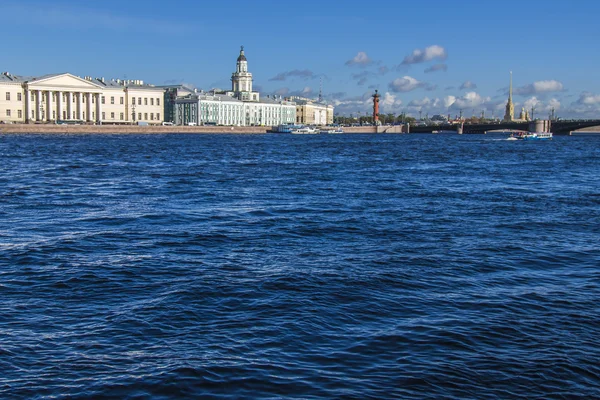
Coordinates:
[376,108]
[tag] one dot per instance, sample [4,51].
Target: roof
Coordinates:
[242,56]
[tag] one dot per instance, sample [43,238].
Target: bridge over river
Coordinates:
[563,127]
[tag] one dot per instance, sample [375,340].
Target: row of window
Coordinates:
[146,100]
[153,117]
[19,96]
[19,113]
[139,99]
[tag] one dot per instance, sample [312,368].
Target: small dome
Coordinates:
[242,56]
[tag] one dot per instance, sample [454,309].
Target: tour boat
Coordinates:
[530,136]
[333,130]
[305,130]
[285,128]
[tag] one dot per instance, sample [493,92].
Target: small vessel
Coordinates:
[285,128]
[332,131]
[523,135]
[305,130]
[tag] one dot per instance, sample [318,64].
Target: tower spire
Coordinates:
[510,90]
[321,90]
[510,107]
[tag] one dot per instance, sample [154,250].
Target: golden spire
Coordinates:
[511,87]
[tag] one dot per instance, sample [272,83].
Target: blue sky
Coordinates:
[429,56]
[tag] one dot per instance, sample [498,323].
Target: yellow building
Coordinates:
[310,112]
[65,97]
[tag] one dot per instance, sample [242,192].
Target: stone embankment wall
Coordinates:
[74,129]
[135,129]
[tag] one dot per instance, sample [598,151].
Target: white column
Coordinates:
[59,105]
[38,105]
[99,108]
[27,105]
[70,105]
[49,105]
[79,106]
[89,108]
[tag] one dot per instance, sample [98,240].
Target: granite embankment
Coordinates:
[135,129]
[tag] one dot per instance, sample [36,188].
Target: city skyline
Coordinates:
[429,58]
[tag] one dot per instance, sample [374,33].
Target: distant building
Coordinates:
[310,112]
[240,107]
[66,97]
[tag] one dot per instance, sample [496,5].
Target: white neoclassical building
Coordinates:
[66,97]
[239,107]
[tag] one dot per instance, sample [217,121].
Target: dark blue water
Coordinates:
[313,267]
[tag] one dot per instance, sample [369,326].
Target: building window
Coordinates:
[122,116]
[139,116]
[158,101]
[8,96]
[112,100]
[93,99]
[122,100]
[103,116]
[20,113]
[103,100]
[139,101]
[112,115]
[133,101]
[8,113]
[19,97]
[158,117]
[145,116]
[145,101]
[151,116]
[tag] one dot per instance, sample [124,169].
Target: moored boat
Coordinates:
[332,131]
[523,135]
[305,130]
[285,128]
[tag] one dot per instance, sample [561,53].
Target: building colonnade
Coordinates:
[52,105]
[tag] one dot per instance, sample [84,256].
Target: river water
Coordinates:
[299,266]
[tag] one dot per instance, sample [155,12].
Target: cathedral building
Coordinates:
[509,115]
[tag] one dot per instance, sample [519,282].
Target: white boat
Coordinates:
[523,135]
[305,130]
[332,131]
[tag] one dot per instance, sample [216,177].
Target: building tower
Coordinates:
[376,108]
[241,79]
[510,107]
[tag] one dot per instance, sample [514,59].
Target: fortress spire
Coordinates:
[509,90]
[509,115]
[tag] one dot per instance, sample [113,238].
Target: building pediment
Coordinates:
[64,82]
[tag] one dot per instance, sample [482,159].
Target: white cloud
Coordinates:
[406,84]
[468,85]
[589,99]
[424,55]
[390,102]
[469,100]
[540,87]
[541,108]
[361,59]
